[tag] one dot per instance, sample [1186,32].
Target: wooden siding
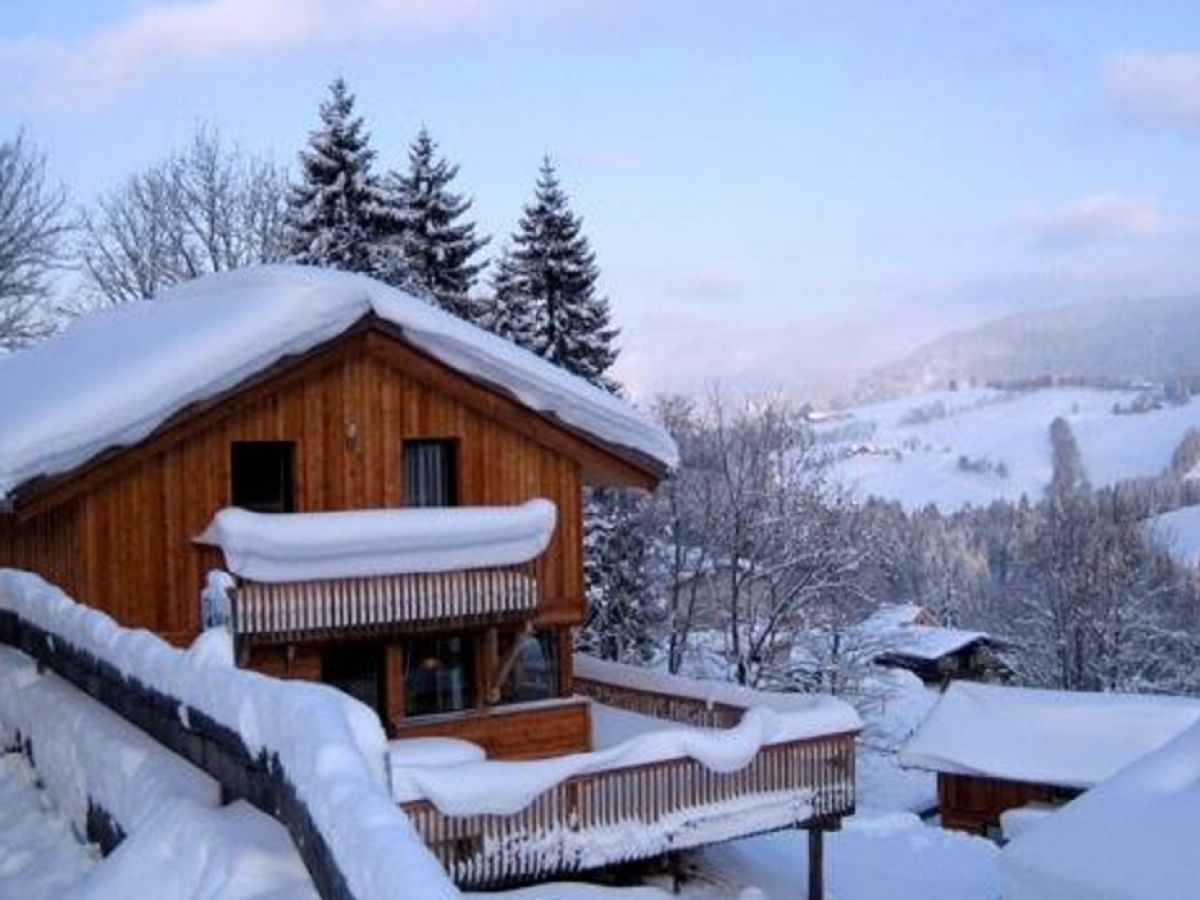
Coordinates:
[50,544]
[974,804]
[528,731]
[123,539]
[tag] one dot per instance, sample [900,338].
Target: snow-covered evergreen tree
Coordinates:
[622,607]
[439,248]
[546,283]
[338,213]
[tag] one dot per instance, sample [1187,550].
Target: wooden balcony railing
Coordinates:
[616,815]
[660,705]
[266,612]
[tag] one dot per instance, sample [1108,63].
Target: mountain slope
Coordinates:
[1129,339]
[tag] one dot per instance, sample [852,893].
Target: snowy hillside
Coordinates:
[1119,339]
[1179,532]
[976,445]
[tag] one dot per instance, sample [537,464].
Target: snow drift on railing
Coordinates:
[504,787]
[84,753]
[284,547]
[829,715]
[331,747]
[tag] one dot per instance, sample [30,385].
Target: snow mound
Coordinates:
[278,547]
[331,747]
[1131,838]
[114,376]
[1067,738]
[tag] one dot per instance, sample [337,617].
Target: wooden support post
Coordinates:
[816,862]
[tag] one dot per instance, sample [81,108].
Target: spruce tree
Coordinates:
[547,282]
[338,214]
[509,312]
[438,247]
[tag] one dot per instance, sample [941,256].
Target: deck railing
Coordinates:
[616,815]
[267,612]
[661,705]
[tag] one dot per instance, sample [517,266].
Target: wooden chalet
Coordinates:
[908,636]
[227,426]
[997,748]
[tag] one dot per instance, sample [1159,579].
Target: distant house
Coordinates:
[1131,838]
[996,748]
[909,637]
[377,495]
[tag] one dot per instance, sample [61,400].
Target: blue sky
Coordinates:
[777,191]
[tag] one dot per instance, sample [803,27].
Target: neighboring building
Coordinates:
[1131,838]
[380,496]
[997,748]
[909,637]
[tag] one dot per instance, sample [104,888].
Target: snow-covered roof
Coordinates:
[1067,738]
[895,630]
[1178,532]
[282,547]
[1131,838]
[112,377]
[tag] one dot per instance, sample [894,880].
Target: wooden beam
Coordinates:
[816,862]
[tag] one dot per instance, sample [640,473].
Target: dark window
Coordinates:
[356,669]
[534,672]
[261,472]
[429,473]
[439,676]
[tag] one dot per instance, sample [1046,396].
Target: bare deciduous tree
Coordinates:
[32,228]
[207,208]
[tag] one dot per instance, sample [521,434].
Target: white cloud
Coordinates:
[1093,218]
[1163,86]
[170,36]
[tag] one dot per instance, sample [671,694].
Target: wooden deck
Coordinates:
[613,816]
[620,814]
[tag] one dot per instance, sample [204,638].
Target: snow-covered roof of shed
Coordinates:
[286,547]
[1069,738]
[894,629]
[112,377]
[1131,838]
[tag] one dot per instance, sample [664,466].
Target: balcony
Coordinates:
[668,787]
[308,576]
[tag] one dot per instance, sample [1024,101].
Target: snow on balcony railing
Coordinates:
[496,821]
[690,701]
[305,574]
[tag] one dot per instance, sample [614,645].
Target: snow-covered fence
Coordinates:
[305,754]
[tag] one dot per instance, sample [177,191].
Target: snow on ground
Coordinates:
[883,857]
[1179,533]
[908,450]
[39,855]
[901,703]
[1131,838]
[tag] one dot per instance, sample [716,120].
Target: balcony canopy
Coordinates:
[278,548]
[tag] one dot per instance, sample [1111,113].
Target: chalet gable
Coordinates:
[119,383]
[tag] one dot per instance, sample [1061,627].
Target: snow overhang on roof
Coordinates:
[1131,838]
[290,547]
[112,377]
[1065,738]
